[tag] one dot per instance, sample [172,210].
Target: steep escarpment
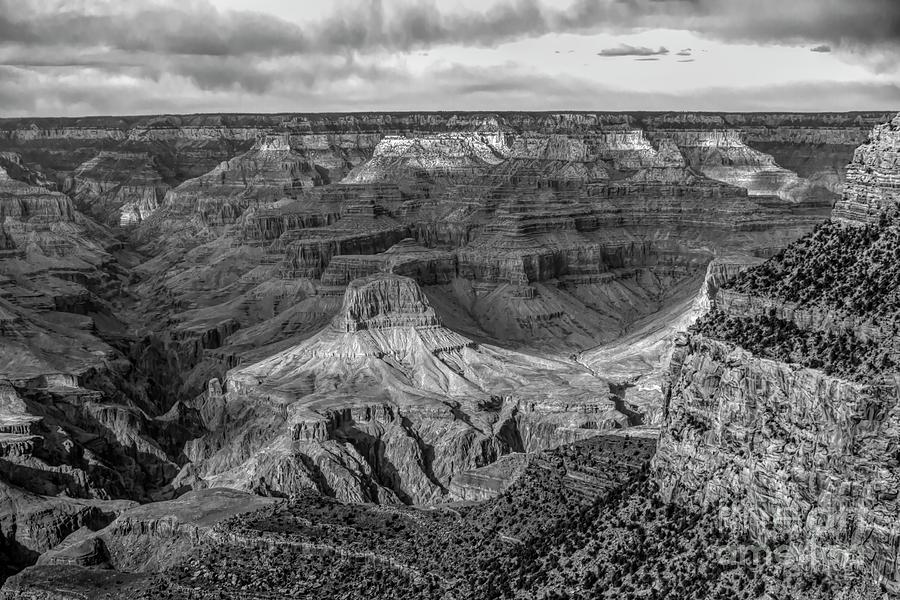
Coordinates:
[796,457]
[872,178]
[782,406]
[120,188]
[540,231]
[31,524]
[265,173]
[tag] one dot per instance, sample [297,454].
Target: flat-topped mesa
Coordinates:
[382,301]
[873,178]
[397,158]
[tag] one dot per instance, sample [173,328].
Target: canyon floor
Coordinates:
[448,355]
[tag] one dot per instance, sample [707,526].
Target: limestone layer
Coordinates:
[873,177]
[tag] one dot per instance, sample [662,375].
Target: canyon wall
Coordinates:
[783,403]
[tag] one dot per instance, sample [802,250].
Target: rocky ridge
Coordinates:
[117,187]
[782,405]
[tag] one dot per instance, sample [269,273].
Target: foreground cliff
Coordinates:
[783,405]
[584,518]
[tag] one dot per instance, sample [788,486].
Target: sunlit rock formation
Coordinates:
[387,405]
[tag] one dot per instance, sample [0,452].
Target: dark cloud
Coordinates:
[853,24]
[626,50]
[820,48]
[190,28]
[685,60]
[198,28]
[94,56]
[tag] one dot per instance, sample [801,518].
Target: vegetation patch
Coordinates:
[844,268]
[767,336]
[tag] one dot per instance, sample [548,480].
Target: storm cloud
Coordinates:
[196,27]
[95,56]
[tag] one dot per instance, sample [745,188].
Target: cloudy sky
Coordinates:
[84,57]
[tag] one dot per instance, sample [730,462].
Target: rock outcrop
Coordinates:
[783,405]
[385,301]
[267,172]
[120,188]
[873,178]
[32,524]
[387,405]
[551,226]
[138,540]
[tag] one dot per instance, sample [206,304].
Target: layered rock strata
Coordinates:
[387,405]
[120,188]
[795,442]
[873,178]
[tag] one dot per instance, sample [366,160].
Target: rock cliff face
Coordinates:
[267,172]
[32,524]
[873,178]
[384,302]
[791,454]
[637,363]
[120,188]
[783,404]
